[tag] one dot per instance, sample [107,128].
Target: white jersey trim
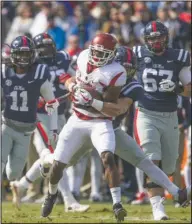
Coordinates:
[3,71]
[37,71]
[180,55]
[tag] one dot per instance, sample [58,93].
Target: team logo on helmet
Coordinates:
[147,60]
[8,82]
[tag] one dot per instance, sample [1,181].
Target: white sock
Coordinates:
[187,175]
[23,183]
[34,172]
[158,176]
[53,188]
[65,191]
[154,200]
[116,194]
[140,180]
[96,173]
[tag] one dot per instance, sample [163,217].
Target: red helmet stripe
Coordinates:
[128,55]
[154,26]
[24,39]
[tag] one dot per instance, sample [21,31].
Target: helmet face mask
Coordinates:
[99,56]
[45,51]
[22,52]
[102,49]
[45,46]
[156,41]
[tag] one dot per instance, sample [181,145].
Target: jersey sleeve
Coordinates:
[183,57]
[135,92]
[66,60]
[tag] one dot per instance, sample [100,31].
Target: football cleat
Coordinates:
[159,212]
[119,212]
[48,204]
[141,199]
[184,197]
[76,207]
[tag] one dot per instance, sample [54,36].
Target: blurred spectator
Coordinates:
[73,45]
[56,33]
[144,16]
[186,15]
[181,29]
[62,19]
[40,21]
[113,24]
[21,23]
[85,27]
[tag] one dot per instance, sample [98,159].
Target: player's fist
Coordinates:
[167,85]
[83,97]
[51,106]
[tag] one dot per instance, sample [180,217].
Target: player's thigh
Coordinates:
[6,142]
[61,122]
[170,145]
[147,135]
[18,156]
[71,138]
[102,136]
[127,148]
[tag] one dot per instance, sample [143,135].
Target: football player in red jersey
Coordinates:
[96,70]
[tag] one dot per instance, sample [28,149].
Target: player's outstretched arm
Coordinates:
[116,109]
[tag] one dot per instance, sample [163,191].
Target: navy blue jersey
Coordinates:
[58,66]
[132,90]
[152,69]
[21,94]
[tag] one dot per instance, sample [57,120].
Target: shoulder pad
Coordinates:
[138,51]
[182,56]
[40,71]
[65,55]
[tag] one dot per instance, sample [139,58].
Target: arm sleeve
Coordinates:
[185,75]
[135,94]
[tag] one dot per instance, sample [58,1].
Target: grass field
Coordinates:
[98,213]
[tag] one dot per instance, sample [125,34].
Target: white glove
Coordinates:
[167,85]
[51,106]
[83,97]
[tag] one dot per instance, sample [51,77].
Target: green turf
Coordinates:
[98,213]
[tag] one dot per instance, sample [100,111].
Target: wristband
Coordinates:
[97,104]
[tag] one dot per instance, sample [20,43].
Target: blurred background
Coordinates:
[72,25]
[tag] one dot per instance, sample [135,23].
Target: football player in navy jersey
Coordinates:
[126,147]
[58,63]
[160,70]
[22,83]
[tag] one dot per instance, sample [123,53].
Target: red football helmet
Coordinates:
[102,49]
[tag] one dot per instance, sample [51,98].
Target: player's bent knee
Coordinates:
[13,174]
[108,159]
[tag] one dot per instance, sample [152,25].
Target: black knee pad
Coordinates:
[151,184]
